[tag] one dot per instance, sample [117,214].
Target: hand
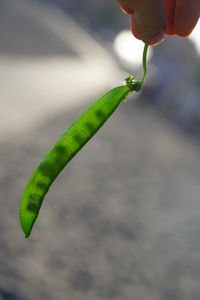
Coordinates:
[151,19]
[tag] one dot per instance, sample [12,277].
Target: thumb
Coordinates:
[148,19]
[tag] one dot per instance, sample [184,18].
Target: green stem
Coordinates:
[137,85]
[144,60]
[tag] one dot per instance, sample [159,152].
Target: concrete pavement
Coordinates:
[47,63]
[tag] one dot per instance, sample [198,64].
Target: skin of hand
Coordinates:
[152,19]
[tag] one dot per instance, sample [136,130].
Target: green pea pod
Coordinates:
[76,136]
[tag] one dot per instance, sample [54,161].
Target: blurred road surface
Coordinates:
[47,63]
[122,220]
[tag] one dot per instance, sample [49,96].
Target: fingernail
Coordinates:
[156,39]
[126,10]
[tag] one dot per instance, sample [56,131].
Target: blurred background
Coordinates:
[122,220]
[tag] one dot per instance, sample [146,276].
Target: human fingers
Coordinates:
[148,19]
[129,11]
[170,6]
[186,16]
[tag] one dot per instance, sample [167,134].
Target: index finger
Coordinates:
[148,20]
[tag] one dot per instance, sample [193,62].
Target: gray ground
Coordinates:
[121,222]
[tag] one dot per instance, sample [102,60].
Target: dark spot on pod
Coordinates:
[32,207]
[34,203]
[90,126]
[60,162]
[61,150]
[100,114]
[79,137]
[41,185]
[61,156]
[47,168]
